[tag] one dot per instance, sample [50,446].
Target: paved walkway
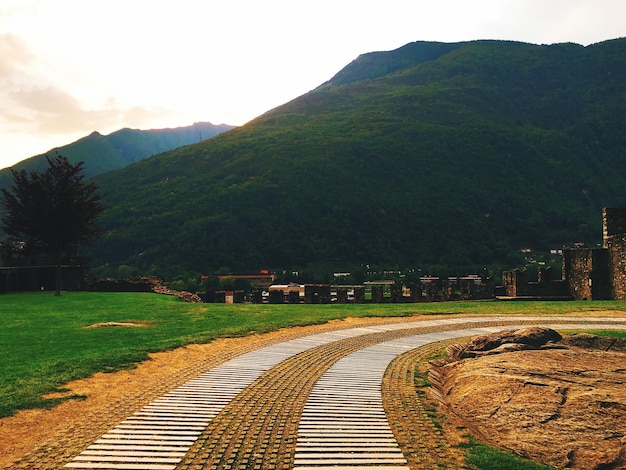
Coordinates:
[339,399]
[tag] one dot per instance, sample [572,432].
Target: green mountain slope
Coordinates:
[121,148]
[434,154]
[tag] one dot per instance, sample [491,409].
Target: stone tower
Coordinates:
[614,240]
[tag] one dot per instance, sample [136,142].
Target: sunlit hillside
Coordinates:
[434,155]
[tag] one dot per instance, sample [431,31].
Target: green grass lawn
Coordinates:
[44,342]
[484,457]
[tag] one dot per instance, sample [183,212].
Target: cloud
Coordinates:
[48,110]
[52,110]
[41,109]
[226,61]
[48,100]
[14,56]
[37,105]
[139,116]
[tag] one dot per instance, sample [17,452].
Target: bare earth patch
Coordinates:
[110,324]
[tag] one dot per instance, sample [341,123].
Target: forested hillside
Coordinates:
[448,155]
[102,153]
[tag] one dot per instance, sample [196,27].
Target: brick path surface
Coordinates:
[335,398]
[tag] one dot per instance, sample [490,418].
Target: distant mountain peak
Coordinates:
[102,153]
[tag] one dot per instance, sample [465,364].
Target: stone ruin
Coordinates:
[588,273]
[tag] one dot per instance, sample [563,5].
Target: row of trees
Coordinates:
[51,212]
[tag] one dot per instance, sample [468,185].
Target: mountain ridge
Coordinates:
[454,159]
[101,153]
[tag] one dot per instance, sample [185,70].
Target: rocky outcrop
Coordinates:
[141,284]
[186,296]
[599,343]
[550,399]
[509,340]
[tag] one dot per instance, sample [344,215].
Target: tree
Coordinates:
[53,212]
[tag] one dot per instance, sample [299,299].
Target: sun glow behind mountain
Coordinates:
[68,68]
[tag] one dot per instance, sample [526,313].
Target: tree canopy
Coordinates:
[54,211]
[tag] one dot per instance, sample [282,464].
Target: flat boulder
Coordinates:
[602,343]
[563,406]
[510,340]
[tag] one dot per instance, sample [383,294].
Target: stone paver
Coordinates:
[276,407]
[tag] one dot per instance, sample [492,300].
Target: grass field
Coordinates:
[484,457]
[44,342]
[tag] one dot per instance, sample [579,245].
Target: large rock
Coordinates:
[563,407]
[602,343]
[510,340]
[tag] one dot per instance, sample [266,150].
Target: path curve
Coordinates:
[246,412]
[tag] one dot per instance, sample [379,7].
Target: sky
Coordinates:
[71,67]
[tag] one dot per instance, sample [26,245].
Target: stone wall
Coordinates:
[122,285]
[34,278]
[614,240]
[586,271]
[316,293]
[613,223]
[616,245]
[515,283]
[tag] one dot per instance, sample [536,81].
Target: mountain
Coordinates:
[102,153]
[430,156]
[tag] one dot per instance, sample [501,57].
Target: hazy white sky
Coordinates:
[70,67]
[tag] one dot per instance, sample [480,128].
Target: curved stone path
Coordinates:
[322,401]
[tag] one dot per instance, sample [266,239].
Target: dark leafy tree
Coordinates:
[53,212]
